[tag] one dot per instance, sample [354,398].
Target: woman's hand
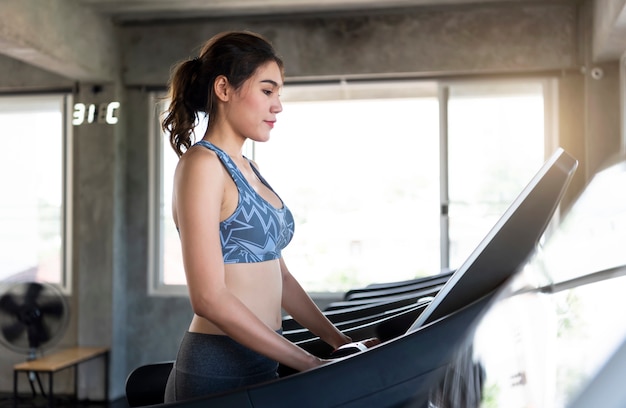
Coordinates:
[344,340]
[371,342]
[354,347]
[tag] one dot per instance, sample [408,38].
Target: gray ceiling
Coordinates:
[126,11]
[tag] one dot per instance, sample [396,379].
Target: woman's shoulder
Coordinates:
[198,155]
[200,161]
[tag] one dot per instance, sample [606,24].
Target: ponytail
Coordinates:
[187,98]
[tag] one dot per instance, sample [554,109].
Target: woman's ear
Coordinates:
[221,88]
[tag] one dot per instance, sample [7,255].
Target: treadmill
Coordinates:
[401,371]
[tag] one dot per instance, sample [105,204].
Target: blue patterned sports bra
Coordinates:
[256,231]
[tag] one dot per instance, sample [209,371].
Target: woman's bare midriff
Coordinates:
[258,286]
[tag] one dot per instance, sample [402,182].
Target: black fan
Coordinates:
[33,316]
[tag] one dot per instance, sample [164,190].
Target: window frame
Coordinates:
[67,268]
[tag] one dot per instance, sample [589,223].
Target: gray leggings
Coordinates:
[208,364]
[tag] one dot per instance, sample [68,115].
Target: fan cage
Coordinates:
[33,316]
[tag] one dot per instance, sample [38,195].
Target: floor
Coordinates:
[27,401]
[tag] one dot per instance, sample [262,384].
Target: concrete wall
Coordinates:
[60,37]
[99,237]
[111,304]
[436,41]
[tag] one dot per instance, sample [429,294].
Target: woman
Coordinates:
[232,225]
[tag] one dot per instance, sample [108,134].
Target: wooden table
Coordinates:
[58,361]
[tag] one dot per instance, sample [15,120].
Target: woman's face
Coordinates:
[252,111]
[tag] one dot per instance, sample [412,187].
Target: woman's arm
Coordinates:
[198,198]
[301,307]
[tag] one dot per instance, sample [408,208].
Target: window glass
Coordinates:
[32,210]
[362,180]
[495,145]
[172,271]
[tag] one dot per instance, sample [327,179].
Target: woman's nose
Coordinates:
[277,106]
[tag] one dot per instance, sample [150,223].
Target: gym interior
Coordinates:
[108,62]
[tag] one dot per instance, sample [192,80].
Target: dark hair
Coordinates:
[234,54]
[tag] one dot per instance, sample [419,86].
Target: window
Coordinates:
[496,143]
[359,165]
[35,208]
[360,173]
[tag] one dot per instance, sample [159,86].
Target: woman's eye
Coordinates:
[267,92]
